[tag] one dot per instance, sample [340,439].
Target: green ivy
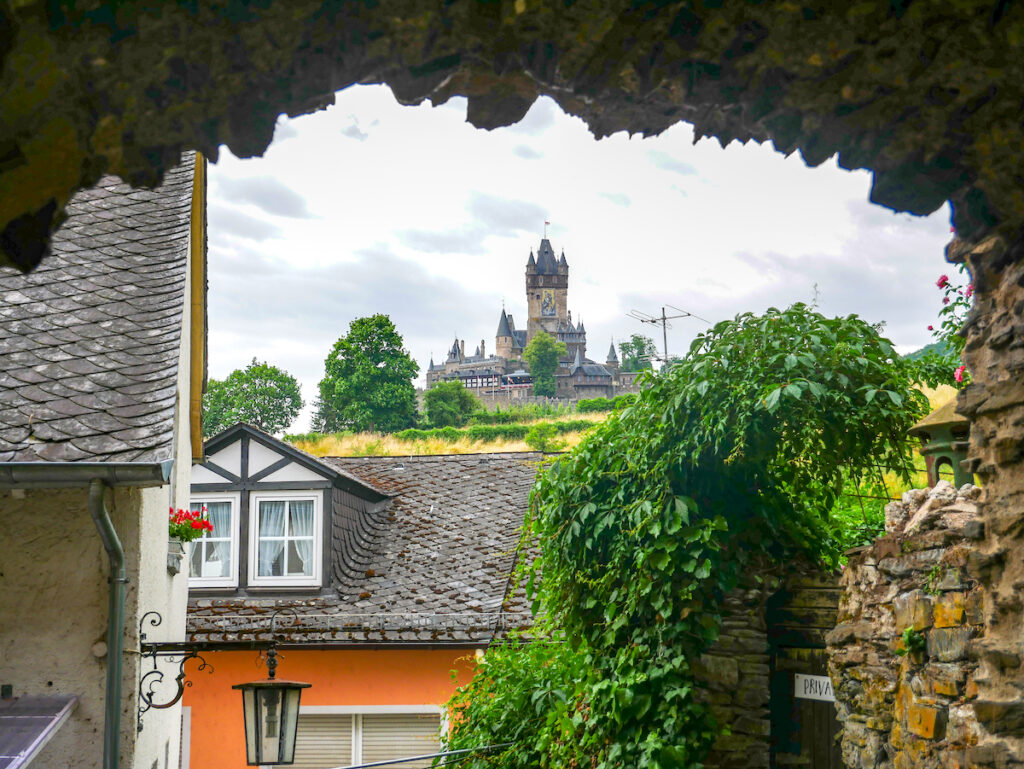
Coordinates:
[913,642]
[737,453]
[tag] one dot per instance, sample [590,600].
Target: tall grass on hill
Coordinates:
[376,445]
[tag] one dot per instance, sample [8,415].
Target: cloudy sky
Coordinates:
[371,207]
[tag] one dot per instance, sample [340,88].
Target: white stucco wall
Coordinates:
[158,744]
[53,604]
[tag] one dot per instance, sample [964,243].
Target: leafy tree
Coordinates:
[261,395]
[732,458]
[449,404]
[542,354]
[637,353]
[367,384]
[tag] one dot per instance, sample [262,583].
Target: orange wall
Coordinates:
[339,677]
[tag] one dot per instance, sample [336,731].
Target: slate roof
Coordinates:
[89,342]
[503,327]
[432,565]
[546,262]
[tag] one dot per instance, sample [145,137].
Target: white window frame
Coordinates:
[236,502]
[255,497]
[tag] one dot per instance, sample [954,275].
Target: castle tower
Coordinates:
[547,290]
[503,340]
[613,360]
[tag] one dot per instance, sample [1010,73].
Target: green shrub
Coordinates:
[541,437]
[591,405]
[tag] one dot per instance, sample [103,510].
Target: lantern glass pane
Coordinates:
[289,724]
[249,708]
[269,712]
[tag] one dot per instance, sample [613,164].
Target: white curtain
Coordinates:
[220,516]
[271,525]
[301,525]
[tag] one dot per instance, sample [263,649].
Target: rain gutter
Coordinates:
[61,475]
[115,622]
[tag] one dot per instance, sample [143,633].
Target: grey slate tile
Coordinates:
[100,303]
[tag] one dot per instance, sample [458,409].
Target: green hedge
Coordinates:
[590,405]
[525,413]
[490,432]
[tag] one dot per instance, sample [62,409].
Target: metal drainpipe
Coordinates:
[115,623]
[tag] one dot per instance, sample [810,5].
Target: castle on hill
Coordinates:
[504,371]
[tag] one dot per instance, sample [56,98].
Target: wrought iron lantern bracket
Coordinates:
[177,653]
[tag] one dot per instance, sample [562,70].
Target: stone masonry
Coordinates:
[733,678]
[912,708]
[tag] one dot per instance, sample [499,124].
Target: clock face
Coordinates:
[547,303]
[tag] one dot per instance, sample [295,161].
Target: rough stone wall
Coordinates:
[733,678]
[927,95]
[919,710]
[994,403]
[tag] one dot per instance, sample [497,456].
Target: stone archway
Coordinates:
[926,95]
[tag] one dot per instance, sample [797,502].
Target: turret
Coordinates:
[577,362]
[612,361]
[531,264]
[563,266]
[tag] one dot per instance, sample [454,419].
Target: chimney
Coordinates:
[462,349]
[483,349]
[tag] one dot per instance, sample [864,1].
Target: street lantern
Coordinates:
[271,717]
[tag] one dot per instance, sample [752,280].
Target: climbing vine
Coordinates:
[734,455]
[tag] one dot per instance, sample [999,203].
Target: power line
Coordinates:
[463,753]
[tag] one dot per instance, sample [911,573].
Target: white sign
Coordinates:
[814,688]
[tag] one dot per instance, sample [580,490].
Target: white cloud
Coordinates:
[431,221]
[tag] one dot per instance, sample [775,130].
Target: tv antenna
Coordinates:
[664,321]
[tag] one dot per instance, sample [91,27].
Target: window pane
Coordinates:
[271,518]
[220,516]
[300,518]
[271,558]
[195,562]
[300,558]
[218,559]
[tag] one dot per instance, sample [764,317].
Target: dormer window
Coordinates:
[285,541]
[272,508]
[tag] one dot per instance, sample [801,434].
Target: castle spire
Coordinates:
[577,362]
[504,329]
[612,356]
